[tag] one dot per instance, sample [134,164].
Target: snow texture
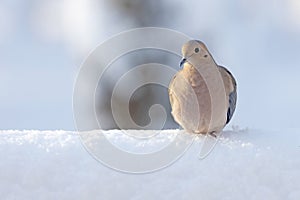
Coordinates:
[245,164]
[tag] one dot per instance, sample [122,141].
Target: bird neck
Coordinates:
[205,65]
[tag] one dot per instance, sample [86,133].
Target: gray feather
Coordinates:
[232,96]
[232,105]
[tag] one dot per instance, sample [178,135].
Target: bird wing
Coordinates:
[231,90]
[174,101]
[170,89]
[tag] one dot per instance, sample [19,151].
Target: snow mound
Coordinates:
[243,165]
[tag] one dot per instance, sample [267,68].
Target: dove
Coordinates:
[202,95]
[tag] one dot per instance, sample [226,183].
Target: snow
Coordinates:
[247,164]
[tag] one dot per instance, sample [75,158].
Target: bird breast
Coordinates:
[194,105]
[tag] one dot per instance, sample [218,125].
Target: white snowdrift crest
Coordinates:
[54,165]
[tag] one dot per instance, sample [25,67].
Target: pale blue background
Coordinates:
[42,44]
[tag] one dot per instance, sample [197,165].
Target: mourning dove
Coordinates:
[202,95]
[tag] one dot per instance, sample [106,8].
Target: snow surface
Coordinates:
[245,164]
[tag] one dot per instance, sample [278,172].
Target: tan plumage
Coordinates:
[202,94]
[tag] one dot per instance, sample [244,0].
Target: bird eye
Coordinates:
[196,50]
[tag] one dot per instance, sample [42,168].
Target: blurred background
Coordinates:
[44,42]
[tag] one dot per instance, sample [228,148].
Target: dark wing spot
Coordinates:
[232,105]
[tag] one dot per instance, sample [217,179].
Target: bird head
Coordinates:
[194,49]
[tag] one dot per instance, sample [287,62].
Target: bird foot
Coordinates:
[213,134]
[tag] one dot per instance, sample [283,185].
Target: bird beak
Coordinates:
[182,62]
